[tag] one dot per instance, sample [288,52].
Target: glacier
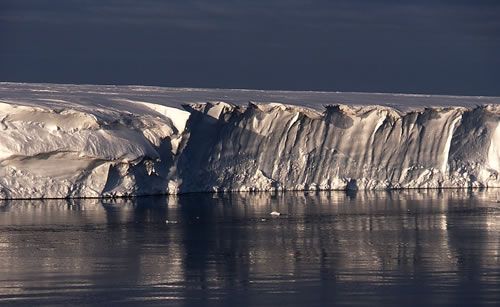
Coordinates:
[60,141]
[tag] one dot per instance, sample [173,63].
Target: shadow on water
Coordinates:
[364,248]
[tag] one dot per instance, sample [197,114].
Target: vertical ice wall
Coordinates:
[63,149]
[273,146]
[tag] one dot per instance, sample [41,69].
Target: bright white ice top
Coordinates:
[100,95]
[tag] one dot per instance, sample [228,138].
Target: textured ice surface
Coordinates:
[92,141]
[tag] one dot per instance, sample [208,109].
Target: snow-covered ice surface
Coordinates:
[91,141]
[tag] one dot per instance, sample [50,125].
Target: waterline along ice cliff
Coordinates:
[61,141]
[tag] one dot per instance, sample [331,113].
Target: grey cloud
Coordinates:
[422,16]
[383,45]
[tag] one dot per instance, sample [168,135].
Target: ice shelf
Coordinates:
[61,141]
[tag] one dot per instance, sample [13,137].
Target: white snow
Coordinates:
[93,141]
[494,150]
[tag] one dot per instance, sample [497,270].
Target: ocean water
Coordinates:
[401,248]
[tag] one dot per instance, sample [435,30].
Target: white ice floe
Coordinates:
[94,141]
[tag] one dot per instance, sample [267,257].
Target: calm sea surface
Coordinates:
[383,248]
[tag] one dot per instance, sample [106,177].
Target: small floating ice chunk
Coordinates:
[170,222]
[275,213]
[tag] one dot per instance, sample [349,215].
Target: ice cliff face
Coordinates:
[264,147]
[57,145]
[79,152]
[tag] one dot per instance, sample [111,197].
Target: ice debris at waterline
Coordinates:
[91,141]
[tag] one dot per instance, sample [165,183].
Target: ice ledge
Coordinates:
[55,143]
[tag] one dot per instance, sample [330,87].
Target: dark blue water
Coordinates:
[398,248]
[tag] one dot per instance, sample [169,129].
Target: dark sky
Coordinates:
[438,46]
